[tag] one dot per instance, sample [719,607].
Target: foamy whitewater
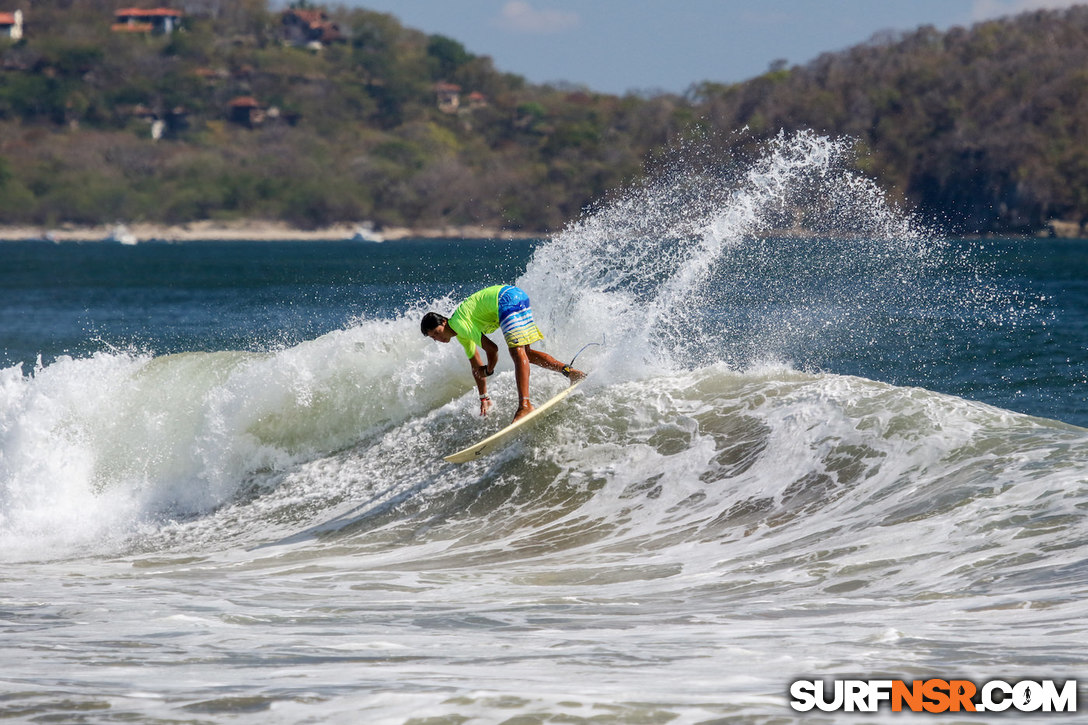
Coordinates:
[270,535]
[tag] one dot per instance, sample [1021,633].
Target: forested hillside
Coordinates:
[316,117]
[252,126]
[984,128]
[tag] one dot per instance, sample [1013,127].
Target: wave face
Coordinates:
[711,474]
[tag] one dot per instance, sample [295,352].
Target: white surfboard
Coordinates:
[489,444]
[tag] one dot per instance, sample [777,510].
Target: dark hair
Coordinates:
[430,321]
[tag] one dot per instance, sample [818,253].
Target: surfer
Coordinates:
[501,306]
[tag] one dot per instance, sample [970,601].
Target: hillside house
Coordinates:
[310,28]
[163,123]
[246,111]
[448,97]
[477,100]
[11,25]
[146,20]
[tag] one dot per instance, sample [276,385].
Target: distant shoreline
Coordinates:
[247,230]
[274,231]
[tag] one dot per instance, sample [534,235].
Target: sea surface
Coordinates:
[855,453]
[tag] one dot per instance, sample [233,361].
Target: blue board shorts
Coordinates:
[516,318]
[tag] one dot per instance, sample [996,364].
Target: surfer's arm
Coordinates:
[479,374]
[492,351]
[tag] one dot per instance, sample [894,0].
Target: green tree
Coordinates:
[447,57]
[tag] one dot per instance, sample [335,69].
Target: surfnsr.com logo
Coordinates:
[934,696]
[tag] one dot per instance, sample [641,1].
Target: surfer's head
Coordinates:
[434,326]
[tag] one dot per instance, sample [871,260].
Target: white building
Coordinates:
[11,25]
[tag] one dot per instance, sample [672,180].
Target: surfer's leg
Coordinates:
[521,375]
[544,360]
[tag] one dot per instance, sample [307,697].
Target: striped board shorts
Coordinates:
[516,318]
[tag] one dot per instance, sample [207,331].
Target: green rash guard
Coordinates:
[478,315]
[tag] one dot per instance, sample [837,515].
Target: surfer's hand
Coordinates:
[485,404]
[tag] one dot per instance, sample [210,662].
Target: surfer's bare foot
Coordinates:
[522,412]
[574,375]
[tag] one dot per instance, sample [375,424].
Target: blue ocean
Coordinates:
[820,440]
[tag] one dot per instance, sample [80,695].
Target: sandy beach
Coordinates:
[248,230]
[276,231]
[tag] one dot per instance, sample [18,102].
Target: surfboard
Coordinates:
[489,444]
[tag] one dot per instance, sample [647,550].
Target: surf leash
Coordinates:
[568,366]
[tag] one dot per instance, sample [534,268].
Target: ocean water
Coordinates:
[859,453]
